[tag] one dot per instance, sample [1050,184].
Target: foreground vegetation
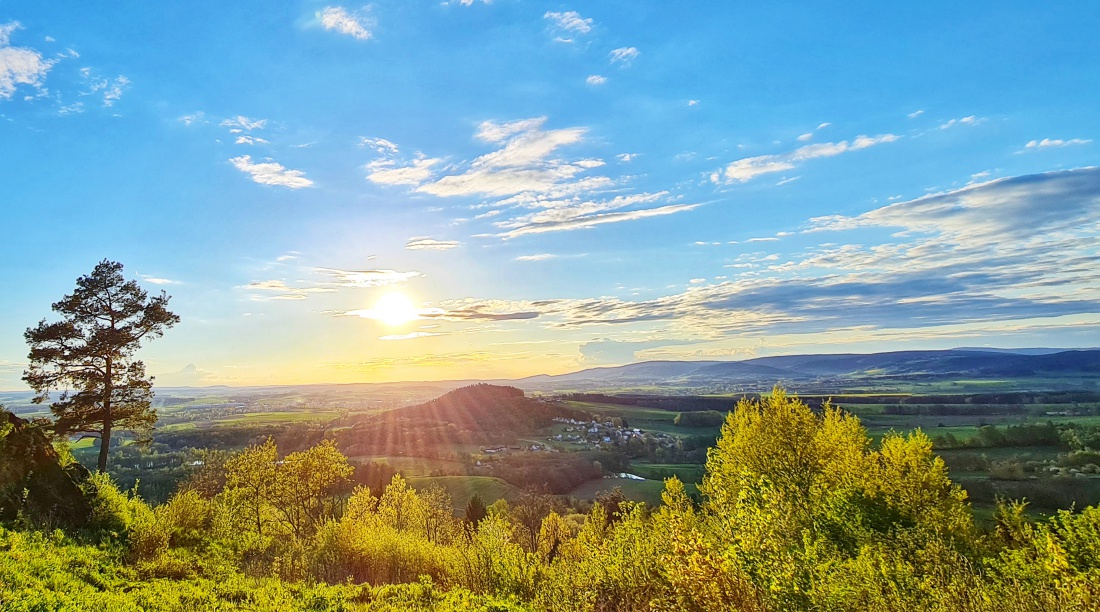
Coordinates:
[800,511]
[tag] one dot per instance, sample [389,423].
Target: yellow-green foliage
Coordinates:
[800,512]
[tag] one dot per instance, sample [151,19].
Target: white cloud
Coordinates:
[338,19]
[250,140]
[380,145]
[744,170]
[1047,143]
[271,173]
[365,278]
[527,177]
[492,131]
[158,281]
[596,79]
[809,135]
[430,244]
[387,172]
[189,119]
[693,103]
[240,122]
[589,221]
[626,158]
[281,290]
[970,120]
[624,55]
[19,65]
[915,114]
[569,21]
[113,91]
[538,257]
[522,165]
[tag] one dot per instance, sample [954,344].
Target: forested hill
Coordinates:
[915,365]
[477,414]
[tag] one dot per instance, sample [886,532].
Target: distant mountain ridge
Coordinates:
[974,363]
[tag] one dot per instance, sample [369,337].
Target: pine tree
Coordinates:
[89,356]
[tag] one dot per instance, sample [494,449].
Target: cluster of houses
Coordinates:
[595,434]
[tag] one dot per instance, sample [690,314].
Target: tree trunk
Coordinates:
[105,438]
[104,445]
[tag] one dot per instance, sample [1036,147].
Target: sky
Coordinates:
[425,190]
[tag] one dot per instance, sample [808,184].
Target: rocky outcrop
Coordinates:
[33,481]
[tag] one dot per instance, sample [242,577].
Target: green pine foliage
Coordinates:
[800,511]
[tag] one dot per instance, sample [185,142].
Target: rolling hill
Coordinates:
[913,365]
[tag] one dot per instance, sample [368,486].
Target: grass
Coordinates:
[646,419]
[412,466]
[277,417]
[462,488]
[648,491]
[688,473]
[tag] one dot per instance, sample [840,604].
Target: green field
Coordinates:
[413,466]
[462,488]
[646,419]
[688,473]
[648,491]
[297,416]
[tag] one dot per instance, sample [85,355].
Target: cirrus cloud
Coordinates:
[338,19]
[271,173]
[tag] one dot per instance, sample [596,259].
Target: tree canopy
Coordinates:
[89,355]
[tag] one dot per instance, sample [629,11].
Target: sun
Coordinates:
[395,309]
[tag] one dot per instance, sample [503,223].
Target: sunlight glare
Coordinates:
[395,309]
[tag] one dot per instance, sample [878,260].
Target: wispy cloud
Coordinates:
[1048,143]
[970,120]
[624,55]
[380,145]
[250,140]
[537,257]
[364,278]
[578,219]
[595,80]
[156,280]
[240,122]
[527,182]
[19,65]
[390,172]
[112,89]
[198,117]
[746,169]
[339,19]
[810,135]
[430,244]
[278,290]
[568,23]
[522,165]
[1007,252]
[271,173]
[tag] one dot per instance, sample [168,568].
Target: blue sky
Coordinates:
[424,190]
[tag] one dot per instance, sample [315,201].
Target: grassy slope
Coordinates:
[462,488]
